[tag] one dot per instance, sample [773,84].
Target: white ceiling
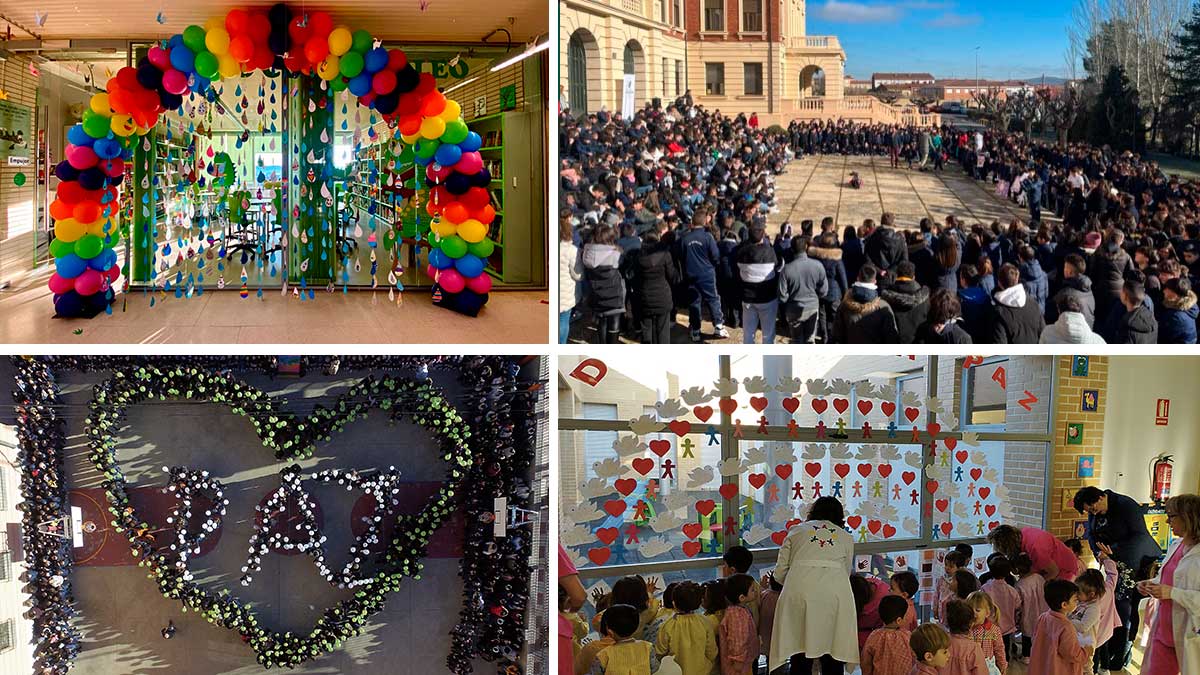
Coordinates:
[439,21]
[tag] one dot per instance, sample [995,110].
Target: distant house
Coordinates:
[901,81]
[963,90]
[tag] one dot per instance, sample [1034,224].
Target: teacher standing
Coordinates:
[1050,557]
[816,618]
[1174,643]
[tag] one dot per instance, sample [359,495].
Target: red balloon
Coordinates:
[438,174]
[87,212]
[59,285]
[383,82]
[127,76]
[316,49]
[441,196]
[433,208]
[410,104]
[320,24]
[258,26]
[241,48]
[409,124]
[426,83]
[396,59]
[300,34]
[455,212]
[114,167]
[293,63]
[475,198]
[236,21]
[72,192]
[60,210]
[433,104]
[263,58]
[485,215]
[112,273]
[119,99]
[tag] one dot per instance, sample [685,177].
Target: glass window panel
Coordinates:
[633,382]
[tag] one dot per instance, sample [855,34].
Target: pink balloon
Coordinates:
[111,274]
[437,172]
[480,284]
[89,282]
[431,271]
[174,81]
[160,57]
[470,164]
[113,167]
[383,82]
[451,281]
[81,157]
[59,285]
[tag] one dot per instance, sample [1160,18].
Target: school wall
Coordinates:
[1064,480]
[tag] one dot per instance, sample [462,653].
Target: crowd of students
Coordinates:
[668,210]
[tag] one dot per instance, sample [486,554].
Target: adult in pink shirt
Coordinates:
[568,580]
[1173,644]
[1051,558]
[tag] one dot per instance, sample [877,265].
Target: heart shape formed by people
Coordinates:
[290,438]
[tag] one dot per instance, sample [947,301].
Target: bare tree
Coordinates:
[995,106]
[1061,109]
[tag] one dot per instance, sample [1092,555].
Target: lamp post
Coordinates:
[977,73]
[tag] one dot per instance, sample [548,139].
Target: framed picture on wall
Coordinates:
[1079,366]
[1075,433]
[1089,400]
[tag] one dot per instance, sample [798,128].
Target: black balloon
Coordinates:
[149,76]
[407,79]
[278,41]
[92,178]
[170,101]
[458,184]
[69,304]
[280,14]
[386,103]
[65,171]
[481,179]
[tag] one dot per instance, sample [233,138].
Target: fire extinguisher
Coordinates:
[1160,478]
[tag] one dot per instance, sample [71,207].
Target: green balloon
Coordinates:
[18,179]
[60,248]
[482,248]
[427,147]
[453,246]
[193,37]
[206,64]
[351,63]
[338,83]
[456,132]
[88,246]
[95,124]
[361,41]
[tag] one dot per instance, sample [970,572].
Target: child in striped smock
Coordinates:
[985,632]
[944,592]
[966,657]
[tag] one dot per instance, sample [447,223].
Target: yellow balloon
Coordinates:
[101,227]
[340,41]
[410,139]
[452,111]
[69,230]
[214,23]
[433,127]
[99,104]
[217,41]
[472,231]
[122,125]
[329,68]
[228,66]
[443,228]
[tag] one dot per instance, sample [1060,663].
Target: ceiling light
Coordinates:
[461,85]
[522,56]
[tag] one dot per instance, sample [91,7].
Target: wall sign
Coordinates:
[508,97]
[16,128]
[1162,412]
[1089,399]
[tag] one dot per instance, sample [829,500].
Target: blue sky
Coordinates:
[1020,39]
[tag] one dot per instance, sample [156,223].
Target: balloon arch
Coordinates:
[85,210]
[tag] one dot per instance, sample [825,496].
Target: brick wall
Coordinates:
[694,13]
[1066,457]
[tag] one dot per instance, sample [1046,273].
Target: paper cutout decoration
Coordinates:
[1074,433]
[590,371]
[756,533]
[1089,400]
[579,535]
[1079,366]
[666,521]
[670,409]
[610,467]
[789,386]
[694,396]
[699,477]
[725,387]
[585,512]
[645,424]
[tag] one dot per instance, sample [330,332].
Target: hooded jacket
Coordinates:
[976,313]
[756,271]
[885,248]
[835,272]
[1177,320]
[951,334]
[1071,328]
[654,273]
[1016,317]
[601,267]
[909,301]
[1035,282]
[1081,288]
[1137,327]
[864,318]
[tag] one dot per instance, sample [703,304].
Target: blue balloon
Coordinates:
[360,84]
[65,171]
[78,137]
[175,41]
[105,260]
[200,83]
[376,60]
[440,260]
[470,266]
[423,161]
[183,59]
[106,148]
[448,154]
[69,266]
[471,143]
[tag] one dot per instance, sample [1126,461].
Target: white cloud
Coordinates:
[857,12]
[954,20]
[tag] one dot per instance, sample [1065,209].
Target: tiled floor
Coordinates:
[517,317]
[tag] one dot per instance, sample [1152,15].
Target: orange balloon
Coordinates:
[485,215]
[455,213]
[60,210]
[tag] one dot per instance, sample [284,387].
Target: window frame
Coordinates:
[719,11]
[746,67]
[708,91]
[742,14]
[966,379]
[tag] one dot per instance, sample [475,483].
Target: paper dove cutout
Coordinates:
[960,510]
[868,509]
[934,404]
[990,475]
[577,559]
[840,451]
[979,457]
[886,392]
[678,500]
[699,477]
[970,438]
[787,455]
[840,386]
[911,525]
[579,535]
[782,513]
[730,467]
[725,387]
[585,512]
[756,384]
[867,452]
[646,424]
[965,529]
[818,387]
[789,385]
[670,409]
[756,534]
[815,451]
[913,459]
[652,548]
[596,487]
[695,395]
[628,445]
[949,421]
[889,452]
[865,389]
[755,456]
[666,521]
[910,399]
[889,513]
[610,467]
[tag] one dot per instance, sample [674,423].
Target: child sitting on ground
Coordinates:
[985,631]
[855,181]
[737,560]
[966,657]
[943,592]
[687,636]
[930,644]
[1007,599]
[906,585]
[627,655]
[887,651]
[738,635]
[1056,648]
[1031,588]
[1096,617]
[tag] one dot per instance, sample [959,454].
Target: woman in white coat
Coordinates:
[1174,641]
[816,618]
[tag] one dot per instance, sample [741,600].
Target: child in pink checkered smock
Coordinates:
[985,632]
[887,651]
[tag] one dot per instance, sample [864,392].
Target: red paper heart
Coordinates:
[912,413]
[909,477]
[951,443]
[993,525]
[888,408]
[884,470]
[976,473]
[791,523]
[854,522]
[757,479]
[961,456]
[841,469]
[778,537]
[888,531]
[942,505]
[874,526]
[728,490]
[865,406]
[625,486]
[705,506]
[984,491]
[790,404]
[608,534]
[727,405]
[680,427]
[692,530]
[703,412]
[660,448]
[599,555]
[947,528]
[819,405]
[864,470]
[784,471]
[691,548]
[933,428]
[812,468]
[643,465]
[841,404]
[614,507]
[759,403]
[931,486]
[990,509]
